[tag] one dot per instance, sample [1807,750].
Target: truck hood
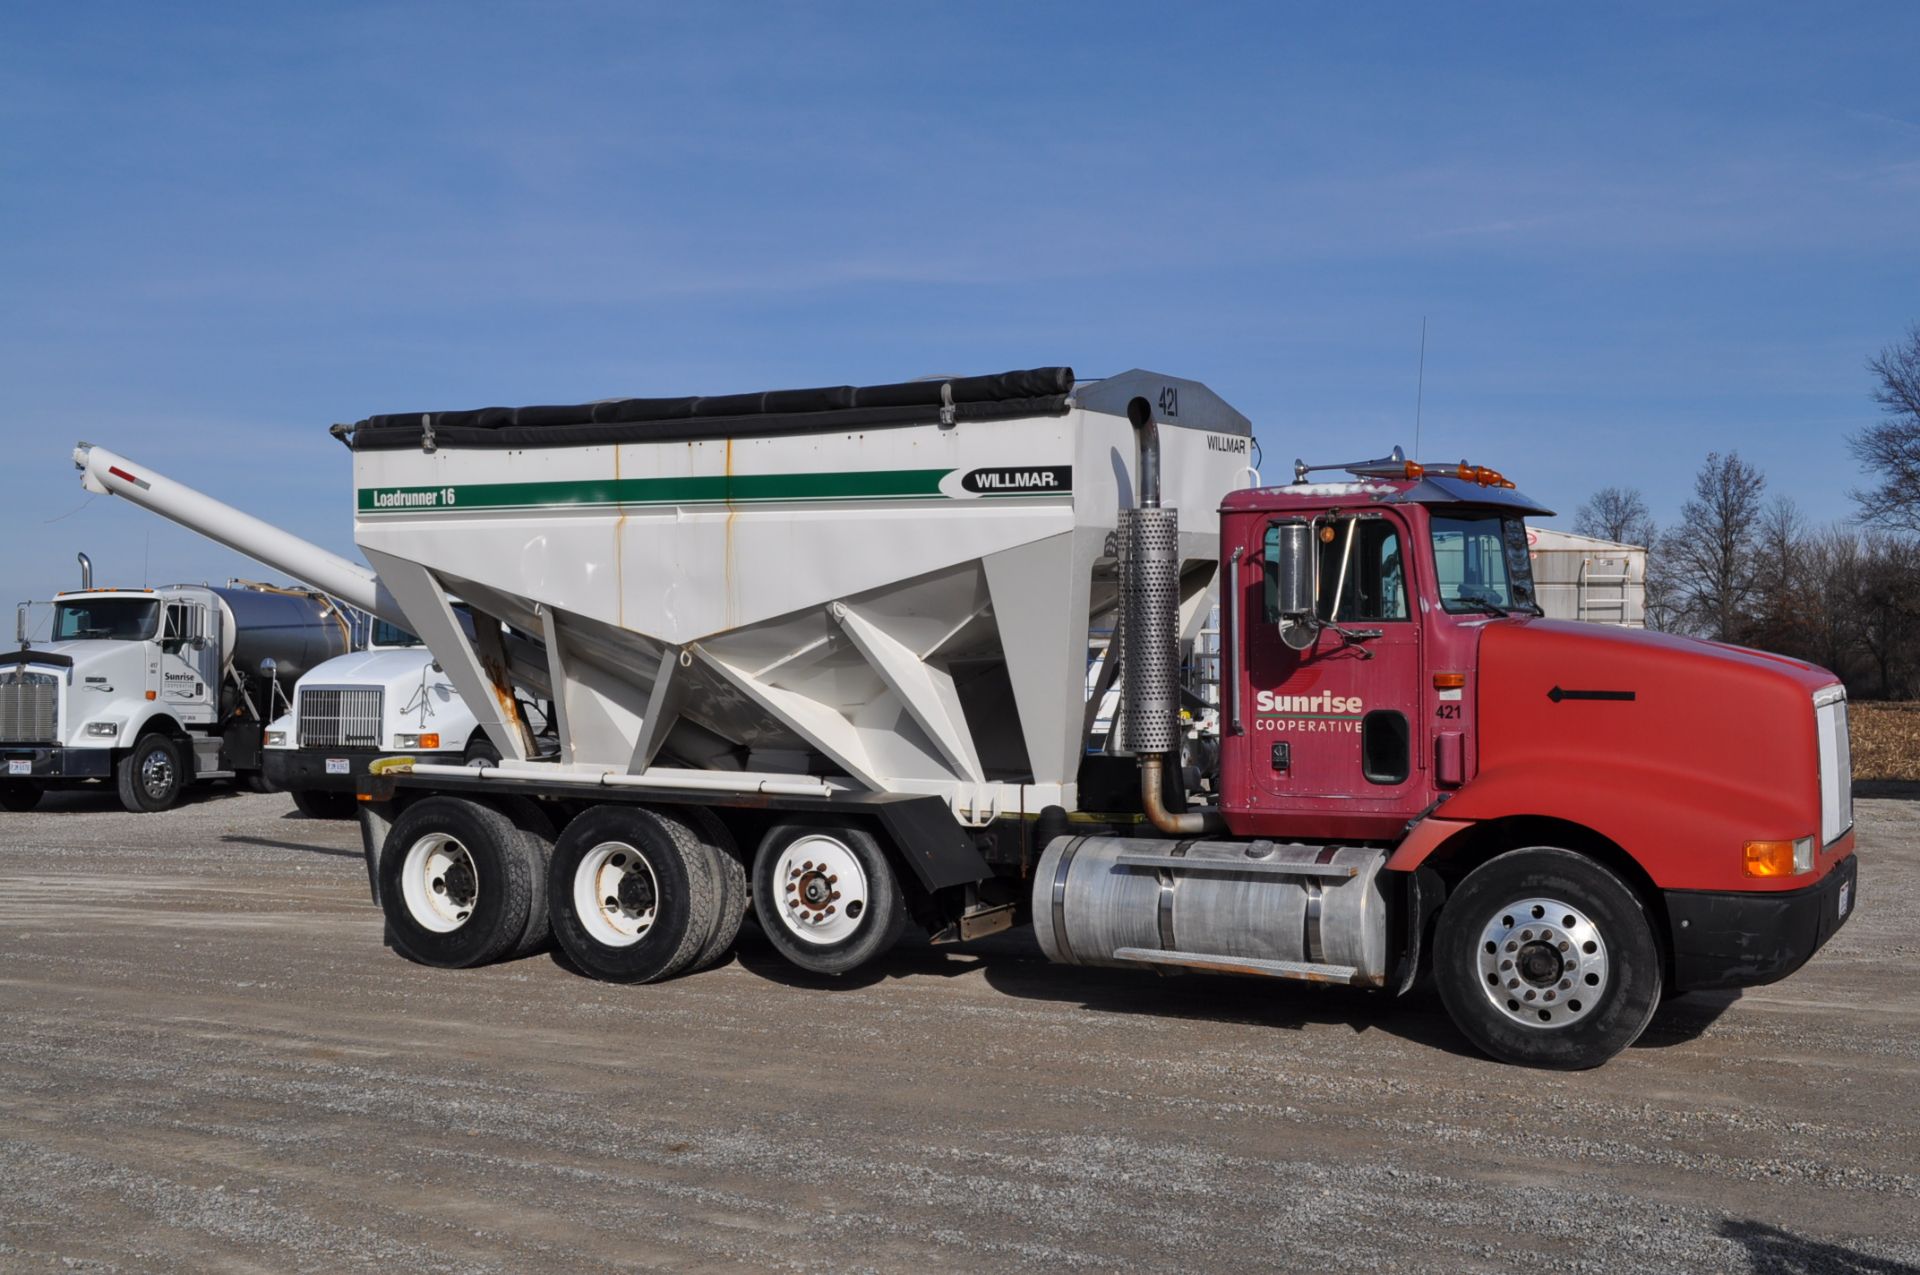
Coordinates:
[1646,736]
[389,669]
[112,660]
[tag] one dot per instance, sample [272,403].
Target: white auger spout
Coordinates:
[108,473]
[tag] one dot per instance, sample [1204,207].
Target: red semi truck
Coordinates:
[1414,773]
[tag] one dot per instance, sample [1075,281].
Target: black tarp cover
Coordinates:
[1036,392]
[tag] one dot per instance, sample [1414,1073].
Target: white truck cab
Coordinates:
[147,689]
[389,700]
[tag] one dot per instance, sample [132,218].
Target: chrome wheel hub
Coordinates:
[156,774]
[1543,963]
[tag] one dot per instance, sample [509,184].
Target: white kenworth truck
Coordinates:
[388,700]
[151,690]
[821,654]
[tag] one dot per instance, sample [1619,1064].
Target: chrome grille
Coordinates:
[339,719]
[1836,763]
[29,707]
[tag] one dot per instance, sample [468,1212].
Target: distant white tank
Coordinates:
[889,587]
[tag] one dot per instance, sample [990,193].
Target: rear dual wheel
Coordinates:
[458,884]
[637,895]
[1546,958]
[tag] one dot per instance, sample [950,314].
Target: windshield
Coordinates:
[124,619]
[1481,562]
[385,634]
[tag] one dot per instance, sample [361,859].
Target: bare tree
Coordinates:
[1784,602]
[1619,514]
[1889,604]
[1890,450]
[1710,554]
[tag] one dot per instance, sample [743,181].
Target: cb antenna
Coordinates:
[1420,388]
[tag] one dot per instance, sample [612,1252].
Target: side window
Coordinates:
[173,629]
[1375,587]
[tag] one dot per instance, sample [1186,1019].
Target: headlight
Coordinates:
[276,739]
[103,730]
[429,740]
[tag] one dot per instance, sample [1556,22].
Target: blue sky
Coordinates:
[1637,233]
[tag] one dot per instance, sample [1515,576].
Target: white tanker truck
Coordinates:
[154,689]
[822,653]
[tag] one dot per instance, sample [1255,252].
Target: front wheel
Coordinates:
[826,897]
[152,774]
[19,795]
[1546,958]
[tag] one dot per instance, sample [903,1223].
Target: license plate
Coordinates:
[1846,899]
[337,766]
[19,767]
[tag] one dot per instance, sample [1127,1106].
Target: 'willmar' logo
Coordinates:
[1324,703]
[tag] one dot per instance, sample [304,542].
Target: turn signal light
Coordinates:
[1779,858]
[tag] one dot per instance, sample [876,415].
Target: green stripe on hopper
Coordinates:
[712,489]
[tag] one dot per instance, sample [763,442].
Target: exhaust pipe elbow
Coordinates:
[1194,823]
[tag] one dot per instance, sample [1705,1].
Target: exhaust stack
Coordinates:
[1150,633]
[86,571]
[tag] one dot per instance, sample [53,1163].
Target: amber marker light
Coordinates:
[153,695]
[1416,470]
[429,741]
[1449,681]
[1779,858]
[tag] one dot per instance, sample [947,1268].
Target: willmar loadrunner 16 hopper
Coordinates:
[824,653]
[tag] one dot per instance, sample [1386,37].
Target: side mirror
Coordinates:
[269,668]
[1295,568]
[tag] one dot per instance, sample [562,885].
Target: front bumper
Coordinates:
[54,761]
[1744,939]
[317,770]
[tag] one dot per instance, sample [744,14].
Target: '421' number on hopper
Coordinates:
[1169,401]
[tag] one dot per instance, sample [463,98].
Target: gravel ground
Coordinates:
[209,1063]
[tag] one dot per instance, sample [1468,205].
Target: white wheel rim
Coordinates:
[1543,963]
[439,883]
[615,894]
[822,890]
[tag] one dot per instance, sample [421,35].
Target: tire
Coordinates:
[152,775]
[480,752]
[454,883]
[315,804]
[20,795]
[846,909]
[730,874]
[632,896]
[256,781]
[1544,957]
[536,845]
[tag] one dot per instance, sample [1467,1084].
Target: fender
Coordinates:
[1686,831]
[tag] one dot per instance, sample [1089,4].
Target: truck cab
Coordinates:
[1391,682]
[129,688]
[391,700]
